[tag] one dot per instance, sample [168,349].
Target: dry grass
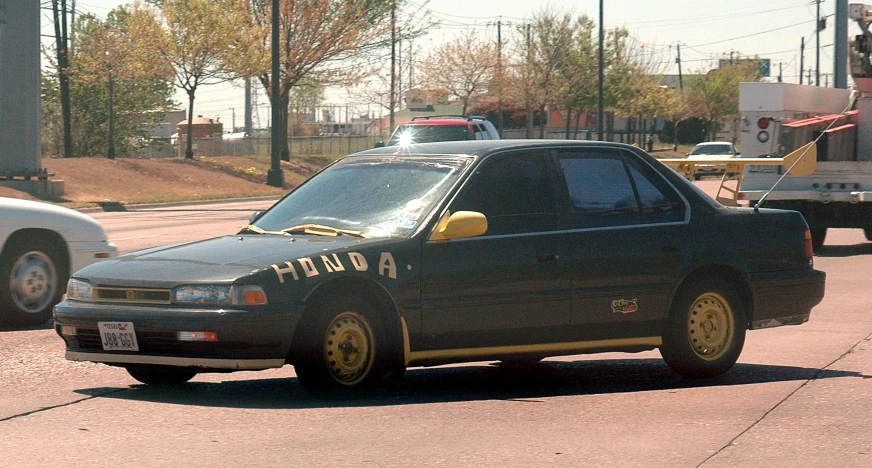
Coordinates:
[99,181]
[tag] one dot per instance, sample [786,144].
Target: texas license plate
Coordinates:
[118,336]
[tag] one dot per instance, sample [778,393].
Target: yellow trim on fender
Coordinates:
[235,364]
[557,348]
[406,347]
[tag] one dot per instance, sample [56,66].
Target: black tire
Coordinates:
[705,332]
[32,281]
[818,235]
[868,233]
[342,348]
[160,376]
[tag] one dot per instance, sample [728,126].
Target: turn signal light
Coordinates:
[197,336]
[254,296]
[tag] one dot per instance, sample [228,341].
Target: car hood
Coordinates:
[221,259]
[72,225]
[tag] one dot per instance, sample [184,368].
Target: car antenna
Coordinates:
[807,147]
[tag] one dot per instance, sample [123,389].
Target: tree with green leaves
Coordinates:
[714,96]
[117,92]
[197,39]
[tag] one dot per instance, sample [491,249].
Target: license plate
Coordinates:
[118,336]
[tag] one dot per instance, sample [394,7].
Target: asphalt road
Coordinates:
[799,396]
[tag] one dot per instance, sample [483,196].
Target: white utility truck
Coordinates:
[807,148]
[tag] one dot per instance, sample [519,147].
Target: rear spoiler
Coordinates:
[800,162]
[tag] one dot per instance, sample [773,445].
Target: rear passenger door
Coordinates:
[628,239]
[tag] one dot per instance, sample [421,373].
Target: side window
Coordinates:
[515,192]
[600,190]
[659,202]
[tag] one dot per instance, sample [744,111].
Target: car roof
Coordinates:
[457,122]
[714,143]
[484,147]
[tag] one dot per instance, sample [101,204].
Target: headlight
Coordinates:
[78,290]
[219,295]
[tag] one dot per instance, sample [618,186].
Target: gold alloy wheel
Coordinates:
[710,326]
[349,349]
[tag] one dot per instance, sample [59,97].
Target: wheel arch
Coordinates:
[373,292]
[727,272]
[53,237]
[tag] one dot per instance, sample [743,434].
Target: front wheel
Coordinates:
[342,348]
[159,376]
[706,329]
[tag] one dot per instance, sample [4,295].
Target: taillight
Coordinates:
[763,123]
[809,250]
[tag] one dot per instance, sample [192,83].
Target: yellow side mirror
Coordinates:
[460,225]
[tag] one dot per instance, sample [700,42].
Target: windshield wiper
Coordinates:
[321,230]
[252,229]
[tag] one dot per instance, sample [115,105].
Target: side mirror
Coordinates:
[379,144]
[459,225]
[254,216]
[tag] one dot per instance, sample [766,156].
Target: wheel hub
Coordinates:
[32,282]
[348,348]
[710,326]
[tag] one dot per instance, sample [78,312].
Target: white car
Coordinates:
[42,245]
[709,150]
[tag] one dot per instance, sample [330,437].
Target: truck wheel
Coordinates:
[342,348]
[31,282]
[160,376]
[817,238]
[705,331]
[868,232]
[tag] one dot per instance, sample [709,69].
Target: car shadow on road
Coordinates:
[845,250]
[527,382]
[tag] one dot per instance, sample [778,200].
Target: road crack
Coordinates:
[70,403]
[784,400]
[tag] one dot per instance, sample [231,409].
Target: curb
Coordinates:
[142,206]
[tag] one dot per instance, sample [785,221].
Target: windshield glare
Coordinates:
[409,134]
[380,196]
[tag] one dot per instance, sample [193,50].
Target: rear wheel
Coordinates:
[342,349]
[160,376]
[817,238]
[706,329]
[31,282]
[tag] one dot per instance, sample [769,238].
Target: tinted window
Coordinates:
[607,189]
[514,191]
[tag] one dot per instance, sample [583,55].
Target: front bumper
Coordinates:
[246,339]
[785,297]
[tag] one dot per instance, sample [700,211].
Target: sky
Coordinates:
[705,30]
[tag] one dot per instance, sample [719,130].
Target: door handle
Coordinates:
[548,258]
[669,248]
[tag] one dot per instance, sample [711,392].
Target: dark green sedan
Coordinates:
[449,252]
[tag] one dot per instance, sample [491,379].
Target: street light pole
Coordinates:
[275,177]
[599,107]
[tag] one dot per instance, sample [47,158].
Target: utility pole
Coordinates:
[248,123]
[500,77]
[275,177]
[393,101]
[60,26]
[678,61]
[801,59]
[840,66]
[599,106]
[529,100]
[817,38]
[779,72]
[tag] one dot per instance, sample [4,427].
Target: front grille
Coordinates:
[132,295]
[149,341]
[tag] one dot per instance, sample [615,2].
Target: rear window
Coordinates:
[713,149]
[430,133]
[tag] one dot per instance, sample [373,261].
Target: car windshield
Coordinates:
[369,196]
[712,149]
[408,134]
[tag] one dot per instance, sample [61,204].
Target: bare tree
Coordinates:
[464,67]
[329,42]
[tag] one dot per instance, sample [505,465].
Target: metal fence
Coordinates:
[338,145]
